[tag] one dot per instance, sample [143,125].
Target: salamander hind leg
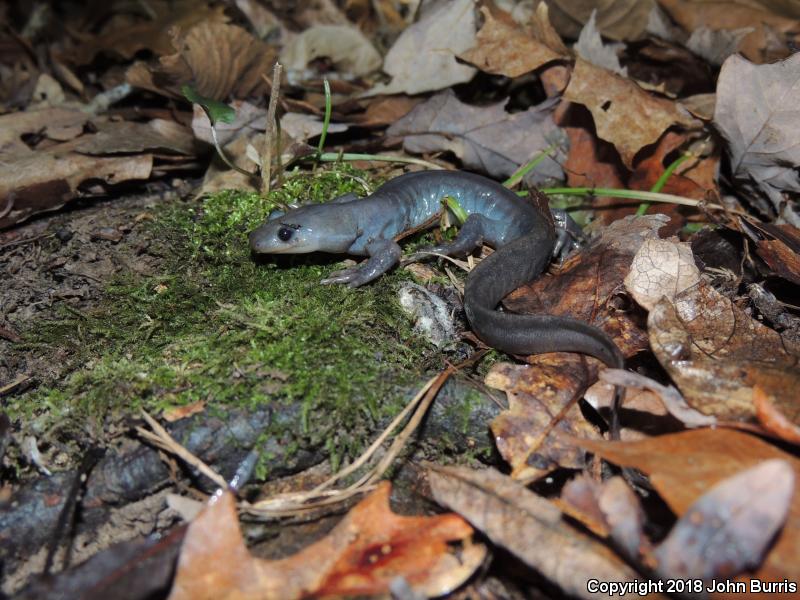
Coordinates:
[383,255]
[471,235]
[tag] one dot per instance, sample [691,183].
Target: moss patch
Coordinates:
[215,326]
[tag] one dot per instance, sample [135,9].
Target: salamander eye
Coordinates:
[285,233]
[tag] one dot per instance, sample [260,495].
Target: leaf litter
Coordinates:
[611,97]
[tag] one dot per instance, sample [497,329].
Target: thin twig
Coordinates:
[162,439]
[269,132]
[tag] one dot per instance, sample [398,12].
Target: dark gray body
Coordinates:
[523,237]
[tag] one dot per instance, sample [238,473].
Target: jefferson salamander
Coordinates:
[524,240]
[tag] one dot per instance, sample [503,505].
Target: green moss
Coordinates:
[215,326]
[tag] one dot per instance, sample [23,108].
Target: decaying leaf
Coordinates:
[58,124]
[716,353]
[684,466]
[526,435]
[361,556]
[347,48]
[583,287]
[624,113]
[760,45]
[486,138]
[424,56]
[504,48]
[220,60]
[773,419]
[729,528]
[43,181]
[609,509]
[617,19]
[661,268]
[528,526]
[759,118]
[127,37]
[590,47]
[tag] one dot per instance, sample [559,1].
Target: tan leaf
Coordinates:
[503,48]
[624,114]
[347,48]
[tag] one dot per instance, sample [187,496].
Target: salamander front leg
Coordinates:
[383,255]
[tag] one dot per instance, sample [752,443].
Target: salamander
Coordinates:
[522,235]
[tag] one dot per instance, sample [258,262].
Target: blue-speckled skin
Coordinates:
[522,235]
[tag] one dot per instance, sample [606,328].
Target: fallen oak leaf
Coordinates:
[528,526]
[504,48]
[728,529]
[683,466]
[369,548]
[624,114]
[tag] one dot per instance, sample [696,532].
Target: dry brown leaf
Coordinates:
[781,258]
[219,60]
[716,353]
[584,285]
[117,137]
[526,435]
[617,19]
[43,181]
[503,48]
[624,114]
[758,46]
[730,527]
[424,56]
[591,162]
[684,466]
[126,38]
[386,110]
[368,549]
[528,526]
[58,124]
[773,419]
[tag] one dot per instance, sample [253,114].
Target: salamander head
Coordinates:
[302,230]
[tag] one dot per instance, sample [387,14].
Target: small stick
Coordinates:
[269,132]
